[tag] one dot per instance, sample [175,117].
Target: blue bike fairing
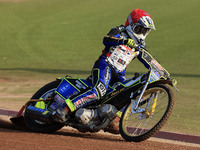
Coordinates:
[149,62]
[69,87]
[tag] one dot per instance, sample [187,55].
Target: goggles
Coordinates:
[138,29]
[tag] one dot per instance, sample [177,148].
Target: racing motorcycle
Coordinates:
[141,104]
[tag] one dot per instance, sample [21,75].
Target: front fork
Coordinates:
[147,111]
[135,104]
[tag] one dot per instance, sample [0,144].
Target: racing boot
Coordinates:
[112,128]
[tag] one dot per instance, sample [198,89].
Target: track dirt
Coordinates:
[18,138]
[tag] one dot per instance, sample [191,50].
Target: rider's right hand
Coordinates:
[139,47]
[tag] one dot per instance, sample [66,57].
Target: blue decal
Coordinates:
[36,109]
[154,76]
[53,106]
[63,88]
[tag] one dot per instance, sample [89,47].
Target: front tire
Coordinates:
[151,117]
[38,126]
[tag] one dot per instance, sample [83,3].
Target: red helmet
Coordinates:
[139,23]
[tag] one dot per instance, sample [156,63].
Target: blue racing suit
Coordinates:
[103,73]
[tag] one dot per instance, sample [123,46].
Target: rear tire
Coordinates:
[38,126]
[140,126]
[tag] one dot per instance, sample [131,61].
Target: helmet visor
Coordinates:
[141,30]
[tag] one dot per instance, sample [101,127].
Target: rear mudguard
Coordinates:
[162,81]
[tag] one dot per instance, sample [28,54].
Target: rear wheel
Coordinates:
[152,113]
[39,126]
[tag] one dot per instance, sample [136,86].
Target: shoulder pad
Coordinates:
[121,28]
[116,30]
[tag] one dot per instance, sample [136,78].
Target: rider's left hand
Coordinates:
[130,42]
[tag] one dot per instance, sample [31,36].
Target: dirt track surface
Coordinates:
[18,138]
[12,137]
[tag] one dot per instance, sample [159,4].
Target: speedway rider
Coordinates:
[111,65]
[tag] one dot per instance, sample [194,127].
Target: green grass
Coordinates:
[41,40]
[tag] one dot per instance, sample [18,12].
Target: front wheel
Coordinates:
[153,111]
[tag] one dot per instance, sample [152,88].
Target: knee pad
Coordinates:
[101,89]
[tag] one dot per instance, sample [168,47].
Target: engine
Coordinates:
[94,117]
